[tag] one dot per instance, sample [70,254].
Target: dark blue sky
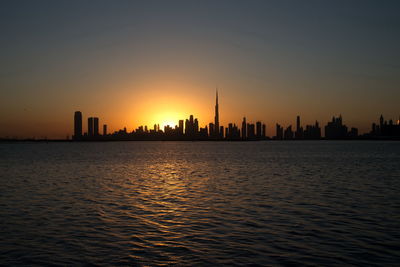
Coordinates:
[272,59]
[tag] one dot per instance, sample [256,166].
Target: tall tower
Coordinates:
[104,129]
[95,126]
[77,125]
[298,124]
[216,119]
[244,129]
[90,126]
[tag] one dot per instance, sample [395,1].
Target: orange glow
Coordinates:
[161,101]
[170,118]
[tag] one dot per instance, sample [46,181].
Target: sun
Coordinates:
[170,118]
[169,122]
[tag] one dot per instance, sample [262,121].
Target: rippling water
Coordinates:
[200,203]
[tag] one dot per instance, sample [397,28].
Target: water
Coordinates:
[200,203]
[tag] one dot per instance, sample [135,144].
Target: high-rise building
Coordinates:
[191,128]
[244,129]
[298,124]
[299,130]
[279,132]
[104,129]
[251,133]
[312,131]
[180,127]
[90,126]
[77,125]
[211,129]
[95,126]
[232,132]
[264,131]
[258,129]
[216,118]
[288,134]
[196,127]
[336,129]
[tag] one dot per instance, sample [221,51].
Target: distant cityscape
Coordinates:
[189,130]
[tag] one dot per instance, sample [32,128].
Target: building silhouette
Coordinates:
[251,134]
[96,126]
[312,132]
[288,134]
[258,130]
[211,129]
[385,129]
[77,126]
[216,118]
[90,131]
[279,132]
[180,128]
[264,132]
[353,133]
[244,129]
[335,129]
[232,132]
[299,130]
[104,129]
[190,129]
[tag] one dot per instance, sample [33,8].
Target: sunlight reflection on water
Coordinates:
[188,203]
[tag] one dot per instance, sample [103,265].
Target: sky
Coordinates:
[134,63]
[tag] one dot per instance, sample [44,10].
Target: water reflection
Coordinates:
[200,203]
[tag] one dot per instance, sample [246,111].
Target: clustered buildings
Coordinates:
[190,130]
[385,128]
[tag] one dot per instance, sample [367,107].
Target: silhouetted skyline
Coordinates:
[191,129]
[146,62]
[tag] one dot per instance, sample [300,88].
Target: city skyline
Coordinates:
[141,62]
[190,129]
[199,133]
[216,131]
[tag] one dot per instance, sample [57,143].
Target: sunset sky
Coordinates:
[134,63]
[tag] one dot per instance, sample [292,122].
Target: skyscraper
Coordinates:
[251,131]
[95,126]
[77,125]
[336,129]
[211,129]
[104,129]
[244,129]
[299,130]
[181,127]
[216,119]
[264,131]
[279,132]
[298,124]
[195,127]
[258,129]
[90,126]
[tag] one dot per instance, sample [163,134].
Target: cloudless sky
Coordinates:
[133,63]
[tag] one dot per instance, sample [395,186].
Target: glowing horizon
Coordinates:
[139,63]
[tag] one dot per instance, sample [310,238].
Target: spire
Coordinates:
[216,118]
